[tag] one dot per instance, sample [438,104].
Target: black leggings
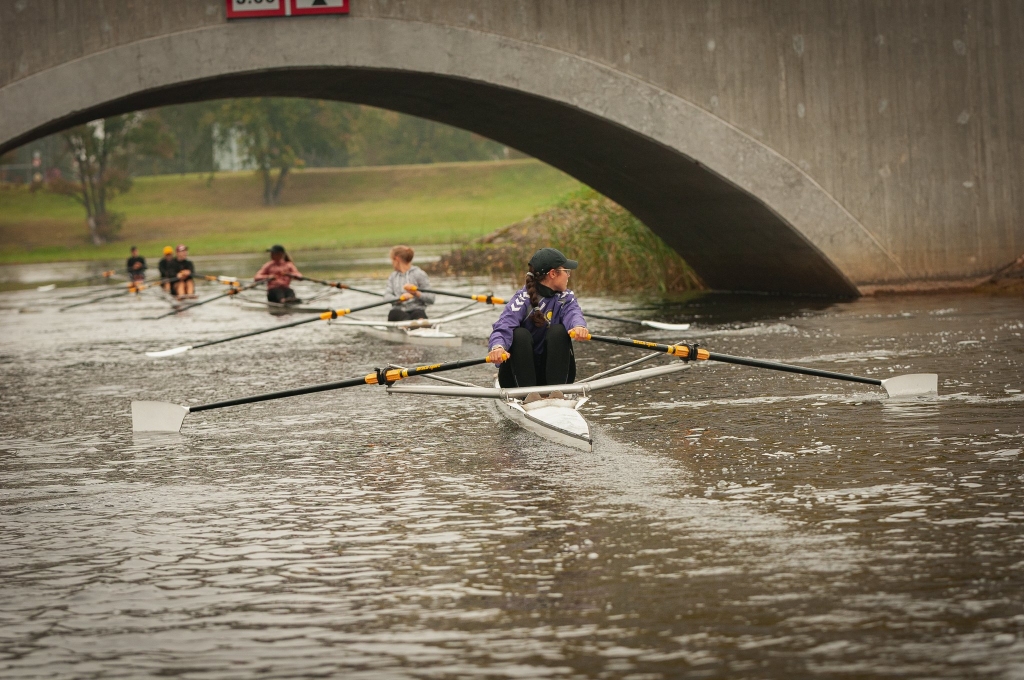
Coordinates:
[556,365]
[281,295]
[399,314]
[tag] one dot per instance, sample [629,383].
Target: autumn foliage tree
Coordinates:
[102,153]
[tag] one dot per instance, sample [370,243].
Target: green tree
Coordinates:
[102,153]
[275,134]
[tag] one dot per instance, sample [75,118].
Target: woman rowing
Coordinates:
[168,269]
[403,286]
[532,327]
[184,284]
[278,273]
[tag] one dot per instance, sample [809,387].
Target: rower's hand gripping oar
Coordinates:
[917,384]
[486,299]
[338,285]
[234,290]
[159,416]
[332,314]
[641,322]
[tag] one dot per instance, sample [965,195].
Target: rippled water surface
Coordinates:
[731,522]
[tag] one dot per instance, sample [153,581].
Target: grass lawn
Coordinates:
[320,208]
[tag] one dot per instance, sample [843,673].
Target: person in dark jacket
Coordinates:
[136,266]
[184,286]
[532,329]
[168,267]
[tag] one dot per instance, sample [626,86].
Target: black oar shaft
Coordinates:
[233,291]
[323,387]
[790,368]
[333,314]
[486,299]
[340,286]
[97,299]
[609,317]
[378,377]
[702,354]
[132,288]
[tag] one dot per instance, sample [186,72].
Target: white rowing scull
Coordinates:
[551,411]
[422,332]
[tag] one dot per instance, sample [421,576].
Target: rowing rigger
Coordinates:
[422,332]
[551,411]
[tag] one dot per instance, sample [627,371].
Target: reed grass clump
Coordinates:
[616,251]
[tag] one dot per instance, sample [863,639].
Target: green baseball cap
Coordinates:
[546,259]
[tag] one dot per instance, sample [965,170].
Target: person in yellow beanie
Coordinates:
[168,268]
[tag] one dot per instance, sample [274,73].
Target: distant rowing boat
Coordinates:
[278,308]
[421,332]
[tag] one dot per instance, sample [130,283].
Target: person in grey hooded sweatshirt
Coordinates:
[406,280]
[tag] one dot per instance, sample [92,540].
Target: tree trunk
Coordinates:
[94,232]
[268,187]
[280,183]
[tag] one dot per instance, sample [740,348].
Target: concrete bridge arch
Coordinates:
[743,215]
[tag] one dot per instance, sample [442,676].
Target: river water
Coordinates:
[731,522]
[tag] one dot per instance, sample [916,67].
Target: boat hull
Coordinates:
[423,337]
[557,420]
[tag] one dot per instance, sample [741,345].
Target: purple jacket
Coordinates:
[560,308]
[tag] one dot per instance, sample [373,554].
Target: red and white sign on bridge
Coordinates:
[250,9]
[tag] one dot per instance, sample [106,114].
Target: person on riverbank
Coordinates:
[404,284]
[168,268]
[136,265]
[185,285]
[278,273]
[532,327]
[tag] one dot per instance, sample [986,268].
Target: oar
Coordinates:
[104,275]
[340,286]
[486,299]
[234,290]
[641,322]
[159,416]
[88,289]
[227,280]
[132,288]
[332,314]
[916,384]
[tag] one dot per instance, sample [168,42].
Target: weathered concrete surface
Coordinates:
[778,146]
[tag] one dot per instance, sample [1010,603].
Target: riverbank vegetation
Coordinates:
[616,251]
[329,208]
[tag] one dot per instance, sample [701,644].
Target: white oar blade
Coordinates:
[169,352]
[913,385]
[667,326]
[157,416]
[47,288]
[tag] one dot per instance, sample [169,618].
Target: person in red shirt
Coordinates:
[278,273]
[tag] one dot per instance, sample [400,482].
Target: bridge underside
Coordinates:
[729,237]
